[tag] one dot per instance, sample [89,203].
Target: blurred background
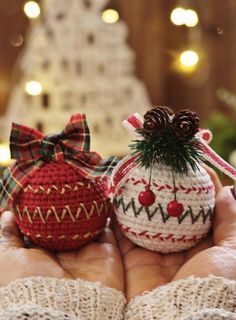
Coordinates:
[129,56]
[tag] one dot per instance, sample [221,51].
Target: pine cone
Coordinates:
[185,124]
[155,120]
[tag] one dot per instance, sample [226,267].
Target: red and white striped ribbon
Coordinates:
[132,123]
[126,165]
[212,157]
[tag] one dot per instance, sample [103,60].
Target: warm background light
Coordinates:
[191,18]
[33,88]
[110,16]
[5,156]
[187,61]
[178,16]
[32,9]
[189,58]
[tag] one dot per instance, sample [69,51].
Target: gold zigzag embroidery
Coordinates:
[64,237]
[95,209]
[63,189]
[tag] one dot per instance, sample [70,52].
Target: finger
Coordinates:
[214,177]
[107,237]
[203,245]
[225,219]
[124,244]
[10,234]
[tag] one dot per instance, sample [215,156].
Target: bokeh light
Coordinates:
[191,18]
[110,16]
[187,61]
[5,156]
[189,58]
[32,9]
[178,16]
[33,88]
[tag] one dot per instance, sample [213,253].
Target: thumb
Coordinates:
[225,219]
[10,234]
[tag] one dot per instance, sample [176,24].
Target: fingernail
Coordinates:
[232,189]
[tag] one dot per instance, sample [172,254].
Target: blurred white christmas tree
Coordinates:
[75,62]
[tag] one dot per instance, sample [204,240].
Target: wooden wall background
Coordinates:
[156,42]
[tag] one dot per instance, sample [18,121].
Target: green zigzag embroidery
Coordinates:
[204,214]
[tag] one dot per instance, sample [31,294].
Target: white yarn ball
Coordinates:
[152,227]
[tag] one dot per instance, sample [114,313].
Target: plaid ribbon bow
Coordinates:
[32,149]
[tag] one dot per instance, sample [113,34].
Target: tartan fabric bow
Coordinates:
[32,149]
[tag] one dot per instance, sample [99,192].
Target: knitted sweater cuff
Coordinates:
[70,299]
[191,298]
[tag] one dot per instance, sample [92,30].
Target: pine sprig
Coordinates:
[167,149]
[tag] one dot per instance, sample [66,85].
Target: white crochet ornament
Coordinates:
[151,227]
[157,208]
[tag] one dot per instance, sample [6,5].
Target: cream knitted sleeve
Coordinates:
[52,298]
[211,298]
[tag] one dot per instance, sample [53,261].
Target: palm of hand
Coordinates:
[145,270]
[98,261]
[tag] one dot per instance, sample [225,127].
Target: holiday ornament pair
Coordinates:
[162,196]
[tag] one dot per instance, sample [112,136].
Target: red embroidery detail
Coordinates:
[168,187]
[160,236]
[120,191]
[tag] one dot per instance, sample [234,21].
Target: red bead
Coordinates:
[175,208]
[146,198]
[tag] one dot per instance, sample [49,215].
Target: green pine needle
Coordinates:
[167,149]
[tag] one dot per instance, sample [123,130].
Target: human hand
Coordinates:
[98,261]
[146,270]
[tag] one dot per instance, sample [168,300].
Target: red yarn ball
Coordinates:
[175,208]
[146,198]
[58,209]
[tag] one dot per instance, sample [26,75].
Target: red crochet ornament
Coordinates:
[59,209]
[63,203]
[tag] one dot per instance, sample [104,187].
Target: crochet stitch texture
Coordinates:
[152,227]
[59,209]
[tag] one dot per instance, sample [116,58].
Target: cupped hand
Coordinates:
[98,261]
[146,270]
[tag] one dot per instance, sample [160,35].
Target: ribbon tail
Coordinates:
[14,179]
[211,156]
[124,167]
[5,194]
[89,169]
[132,124]
[204,134]
[25,142]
